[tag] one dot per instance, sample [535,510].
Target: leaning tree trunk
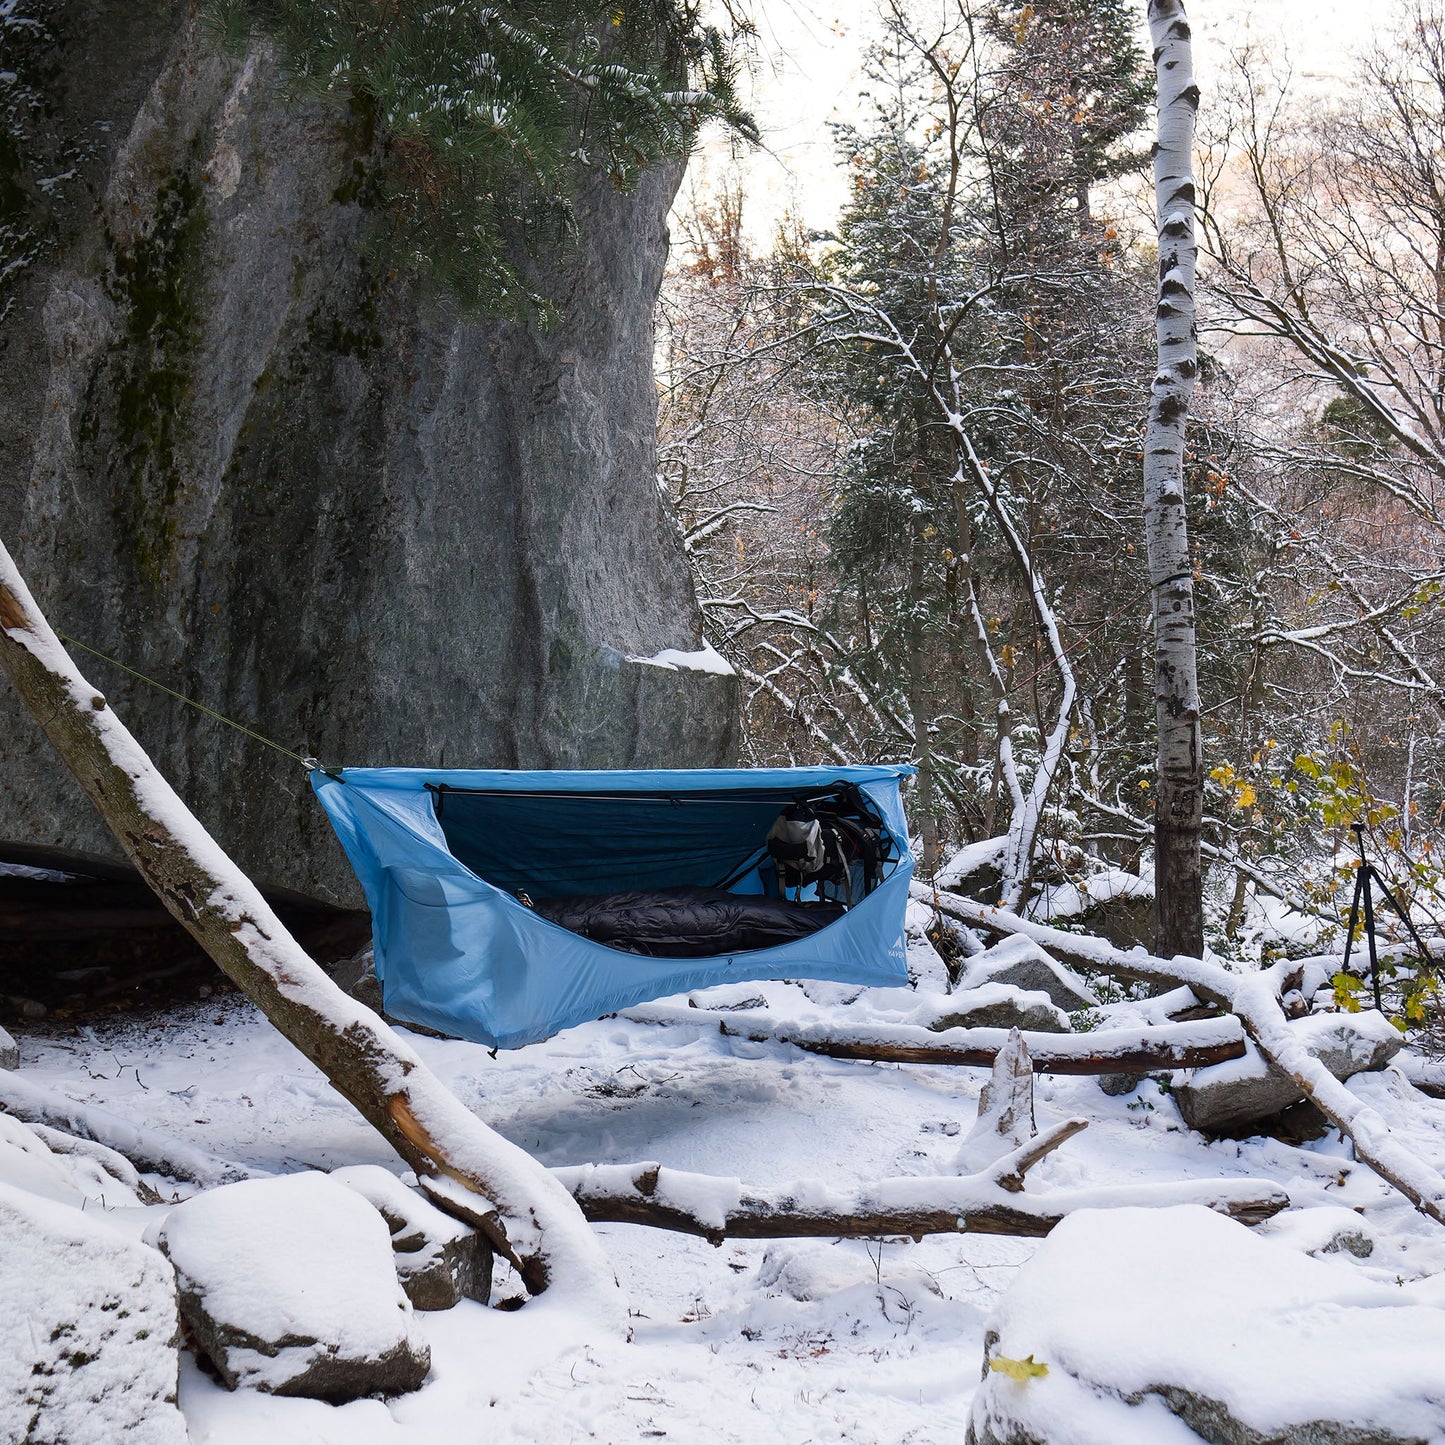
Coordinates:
[1179,785]
[527,1216]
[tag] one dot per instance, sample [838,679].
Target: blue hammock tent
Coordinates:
[460,867]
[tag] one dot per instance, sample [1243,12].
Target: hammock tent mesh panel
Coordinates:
[441,856]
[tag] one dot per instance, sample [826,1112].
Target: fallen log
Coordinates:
[1134,965]
[1141,1050]
[1427,1075]
[1254,999]
[716,1209]
[148,1150]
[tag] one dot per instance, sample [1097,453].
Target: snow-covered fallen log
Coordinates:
[1078,949]
[1106,1051]
[715,1208]
[148,1150]
[1254,999]
[1427,1075]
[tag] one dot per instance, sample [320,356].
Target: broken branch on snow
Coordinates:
[717,1209]
[1107,1051]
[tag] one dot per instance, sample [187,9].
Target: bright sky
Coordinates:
[809,73]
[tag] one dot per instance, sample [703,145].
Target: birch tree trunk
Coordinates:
[526,1215]
[919,708]
[1179,785]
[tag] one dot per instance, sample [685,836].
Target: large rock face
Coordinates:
[237,458]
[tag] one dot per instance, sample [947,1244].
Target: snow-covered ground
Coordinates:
[784,1341]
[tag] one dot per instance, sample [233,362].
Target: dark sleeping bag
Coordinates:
[688,922]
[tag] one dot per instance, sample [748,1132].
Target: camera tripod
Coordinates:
[1366,874]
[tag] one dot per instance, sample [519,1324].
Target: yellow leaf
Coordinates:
[1245,797]
[1021,1370]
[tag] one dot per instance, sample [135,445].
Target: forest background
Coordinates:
[990,277]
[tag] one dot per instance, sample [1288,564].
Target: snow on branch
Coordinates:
[1104,1051]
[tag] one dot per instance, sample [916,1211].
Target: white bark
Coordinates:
[1179,789]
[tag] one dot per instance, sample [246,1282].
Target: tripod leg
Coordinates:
[1366,872]
[1425,955]
[1354,916]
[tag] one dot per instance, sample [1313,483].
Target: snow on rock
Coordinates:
[970,859]
[1021,962]
[99,1171]
[439,1260]
[288,1286]
[9,1051]
[1071,900]
[706,659]
[1323,1230]
[997,1006]
[1232,1094]
[67,1170]
[88,1331]
[1166,1326]
[26,1163]
[727,998]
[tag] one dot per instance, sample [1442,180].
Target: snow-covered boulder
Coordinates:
[9,1051]
[288,1286]
[1000,1006]
[727,998]
[1172,1326]
[88,1330]
[1230,1095]
[1021,962]
[973,865]
[1323,1230]
[439,1260]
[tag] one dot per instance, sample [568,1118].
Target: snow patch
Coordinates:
[706,659]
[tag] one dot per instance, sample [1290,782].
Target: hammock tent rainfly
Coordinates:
[462,869]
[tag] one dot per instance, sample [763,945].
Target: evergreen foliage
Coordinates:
[1078,85]
[968,229]
[485,115]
